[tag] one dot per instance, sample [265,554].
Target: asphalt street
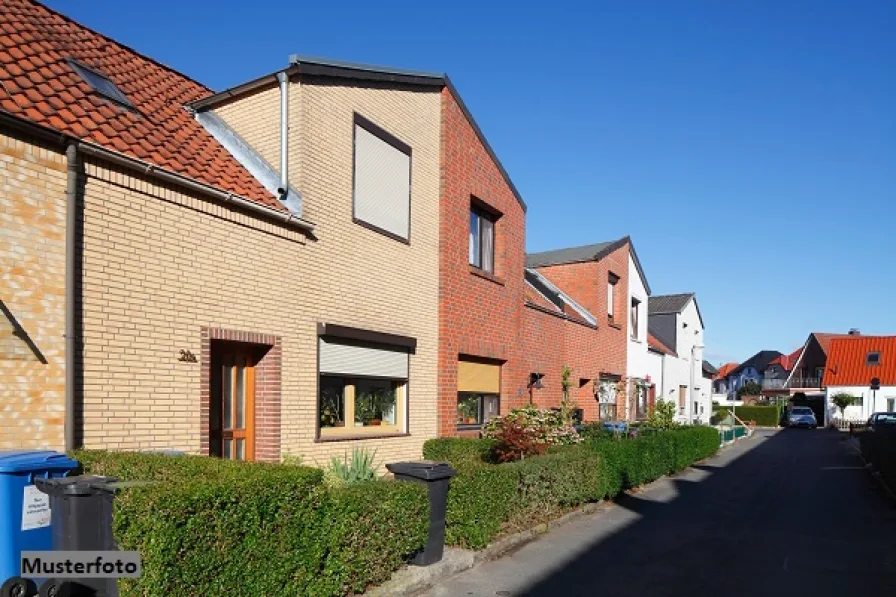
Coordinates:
[786,513]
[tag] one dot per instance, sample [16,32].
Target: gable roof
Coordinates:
[556,297]
[708,369]
[824,340]
[584,254]
[664,304]
[759,361]
[657,345]
[357,71]
[725,369]
[847,365]
[787,361]
[40,85]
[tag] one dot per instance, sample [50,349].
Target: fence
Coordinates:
[850,425]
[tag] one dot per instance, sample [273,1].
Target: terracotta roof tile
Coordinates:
[725,369]
[46,90]
[847,361]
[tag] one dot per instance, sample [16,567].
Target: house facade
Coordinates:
[750,371]
[598,278]
[852,363]
[185,293]
[676,322]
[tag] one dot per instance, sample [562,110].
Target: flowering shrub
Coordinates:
[528,431]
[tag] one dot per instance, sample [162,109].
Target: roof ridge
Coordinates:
[68,19]
[603,242]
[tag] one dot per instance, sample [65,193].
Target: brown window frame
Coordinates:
[480,407]
[489,216]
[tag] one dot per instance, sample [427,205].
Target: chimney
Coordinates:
[854,332]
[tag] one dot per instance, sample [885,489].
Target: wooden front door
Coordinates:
[232,409]
[682,398]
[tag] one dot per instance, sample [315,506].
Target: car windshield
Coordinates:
[801,411]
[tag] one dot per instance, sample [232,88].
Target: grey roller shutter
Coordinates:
[382,184]
[350,359]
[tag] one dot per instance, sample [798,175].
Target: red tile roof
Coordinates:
[38,84]
[725,369]
[847,356]
[787,361]
[824,340]
[655,343]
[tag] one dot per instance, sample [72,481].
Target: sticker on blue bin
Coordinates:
[35,509]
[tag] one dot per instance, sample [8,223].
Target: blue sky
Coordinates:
[749,148]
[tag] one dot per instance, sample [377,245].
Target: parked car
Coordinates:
[801,416]
[881,418]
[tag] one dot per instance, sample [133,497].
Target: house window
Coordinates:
[891,404]
[478,391]
[634,317]
[475,409]
[819,373]
[482,240]
[859,400]
[641,405]
[101,84]
[612,280]
[363,388]
[606,398]
[873,358]
[382,180]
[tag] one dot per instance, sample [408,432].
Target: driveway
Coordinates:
[787,513]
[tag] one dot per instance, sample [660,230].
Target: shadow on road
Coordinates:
[796,514]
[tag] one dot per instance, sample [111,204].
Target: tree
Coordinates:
[751,388]
[568,404]
[841,401]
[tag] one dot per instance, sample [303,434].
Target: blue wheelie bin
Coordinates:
[25,510]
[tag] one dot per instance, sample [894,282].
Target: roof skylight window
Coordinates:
[101,84]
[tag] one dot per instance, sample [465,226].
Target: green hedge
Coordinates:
[210,525]
[484,498]
[765,416]
[459,451]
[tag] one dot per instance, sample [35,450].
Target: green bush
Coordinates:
[458,451]
[210,526]
[485,498]
[765,416]
[481,499]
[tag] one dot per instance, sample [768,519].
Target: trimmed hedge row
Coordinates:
[765,416]
[211,525]
[484,497]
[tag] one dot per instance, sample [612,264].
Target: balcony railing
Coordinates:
[773,384]
[804,382]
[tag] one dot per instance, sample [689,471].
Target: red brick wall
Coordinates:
[587,284]
[477,316]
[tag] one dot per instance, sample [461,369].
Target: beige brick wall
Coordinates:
[32,288]
[159,265]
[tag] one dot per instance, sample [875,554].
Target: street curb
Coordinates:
[874,474]
[413,580]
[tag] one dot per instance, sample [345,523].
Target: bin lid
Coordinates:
[78,485]
[20,461]
[427,470]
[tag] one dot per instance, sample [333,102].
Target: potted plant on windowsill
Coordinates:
[466,412]
[329,410]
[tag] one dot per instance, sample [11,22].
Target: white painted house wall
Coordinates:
[860,412]
[655,371]
[678,369]
[637,365]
